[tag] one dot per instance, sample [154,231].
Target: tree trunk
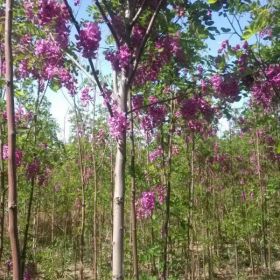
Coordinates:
[119,189]
[133,192]
[167,175]
[12,184]
[2,195]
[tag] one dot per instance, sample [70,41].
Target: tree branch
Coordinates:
[94,72]
[138,13]
[154,103]
[145,38]
[107,21]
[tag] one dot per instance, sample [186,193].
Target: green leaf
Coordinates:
[212,1]
[248,33]
[278,149]
[225,29]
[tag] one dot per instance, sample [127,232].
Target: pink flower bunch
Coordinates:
[54,13]
[67,80]
[2,68]
[33,169]
[155,154]
[146,125]
[118,124]
[107,96]
[192,107]
[224,46]
[166,47]
[28,6]
[156,111]
[23,70]
[51,10]
[85,96]
[119,59]
[160,192]
[169,46]
[21,115]
[138,33]
[51,53]
[225,87]
[263,91]
[18,154]
[266,32]
[49,50]
[137,102]
[196,126]
[273,75]
[175,150]
[88,39]
[145,205]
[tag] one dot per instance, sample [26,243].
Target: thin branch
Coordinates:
[233,27]
[152,104]
[138,13]
[108,8]
[142,46]
[107,21]
[94,72]
[238,23]
[80,67]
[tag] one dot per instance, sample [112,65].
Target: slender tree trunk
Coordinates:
[168,191]
[263,203]
[12,184]
[30,203]
[2,194]
[133,193]
[95,189]
[81,167]
[95,217]
[119,190]
[28,218]
[189,256]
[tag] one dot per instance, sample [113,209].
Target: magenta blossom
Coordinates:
[88,39]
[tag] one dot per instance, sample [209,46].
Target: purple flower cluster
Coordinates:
[224,46]
[51,12]
[225,87]
[85,96]
[52,16]
[192,107]
[18,154]
[165,48]
[33,169]
[154,155]
[119,59]
[88,39]
[263,90]
[266,32]
[156,111]
[118,124]
[137,102]
[145,205]
[138,33]
[160,191]
[49,50]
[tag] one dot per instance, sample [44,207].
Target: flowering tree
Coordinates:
[162,87]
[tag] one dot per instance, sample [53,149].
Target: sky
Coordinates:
[61,102]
